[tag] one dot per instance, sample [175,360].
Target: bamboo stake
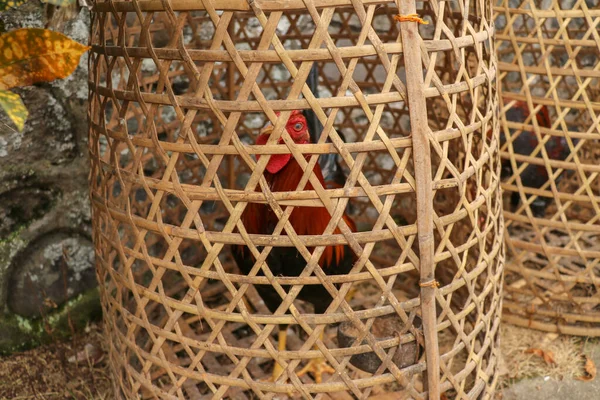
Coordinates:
[424,192]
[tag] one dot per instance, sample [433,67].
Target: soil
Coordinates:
[75,369]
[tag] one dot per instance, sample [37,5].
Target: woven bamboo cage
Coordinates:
[549,62]
[178,93]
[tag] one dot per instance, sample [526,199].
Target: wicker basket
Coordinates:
[179,91]
[549,58]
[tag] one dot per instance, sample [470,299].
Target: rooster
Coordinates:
[283,173]
[533,176]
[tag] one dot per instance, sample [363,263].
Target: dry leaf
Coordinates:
[48,302]
[33,55]
[590,370]
[90,353]
[548,356]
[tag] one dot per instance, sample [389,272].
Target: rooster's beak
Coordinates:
[267,130]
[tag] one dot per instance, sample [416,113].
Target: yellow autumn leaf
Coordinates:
[14,107]
[33,55]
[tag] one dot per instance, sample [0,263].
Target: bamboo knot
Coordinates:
[410,18]
[431,283]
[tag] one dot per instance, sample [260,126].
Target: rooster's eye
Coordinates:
[298,126]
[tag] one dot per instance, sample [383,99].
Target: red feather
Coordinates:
[542,116]
[304,220]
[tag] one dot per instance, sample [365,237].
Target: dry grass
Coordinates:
[519,363]
[59,370]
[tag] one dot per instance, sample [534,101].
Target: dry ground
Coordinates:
[65,370]
[77,369]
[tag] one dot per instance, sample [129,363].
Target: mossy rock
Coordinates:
[18,333]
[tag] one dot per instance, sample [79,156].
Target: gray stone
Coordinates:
[51,270]
[48,133]
[45,221]
[549,389]
[545,388]
[23,204]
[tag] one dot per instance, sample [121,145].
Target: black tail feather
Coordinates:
[314,125]
[328,162]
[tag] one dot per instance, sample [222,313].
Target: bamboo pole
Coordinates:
[424,192]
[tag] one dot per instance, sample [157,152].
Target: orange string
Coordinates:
[410,18]
[432,283]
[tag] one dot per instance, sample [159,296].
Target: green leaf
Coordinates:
[14,107]
[60,3]
[6,4]
[33,55]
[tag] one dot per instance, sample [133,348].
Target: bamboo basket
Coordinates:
[178,93]
[549,56]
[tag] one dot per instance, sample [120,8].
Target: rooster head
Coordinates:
[297,128]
